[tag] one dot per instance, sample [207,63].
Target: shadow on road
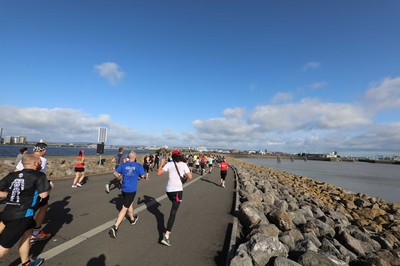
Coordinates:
[57,215]
[152,206]
[118,200]
[97,261]
[209,181]
[85,180]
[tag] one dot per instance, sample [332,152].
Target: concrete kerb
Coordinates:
[235,226]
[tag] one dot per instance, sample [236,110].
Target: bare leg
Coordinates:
[3,251]
[76,178]
[130,212]
[24,246]
[2,227]
[82,177]
[41,215]
[121,216]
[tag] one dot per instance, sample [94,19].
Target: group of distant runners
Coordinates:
[27,192]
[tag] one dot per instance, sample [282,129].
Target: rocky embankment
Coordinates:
[59,167]
[287,219]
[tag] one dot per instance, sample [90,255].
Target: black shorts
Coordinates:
[146,168]
[190,164]
[128,198]
[79,170]
[14,230]
[223,174]
[175,196]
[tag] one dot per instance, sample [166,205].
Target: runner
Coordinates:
[156,161]
[202,164]
[175,169]
[190,162]
[118,160]
[197,162]
[224,170]
[210,163]
[128,173]
[21,154]
[79,169]
[146,166]
[23,188]
[38,234]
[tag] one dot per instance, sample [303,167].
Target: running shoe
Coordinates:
[107,188]
[135,218]
[78,184]
[40,237]
[113,232]
[73,186]
[166,241]
[37,262]
[223,186]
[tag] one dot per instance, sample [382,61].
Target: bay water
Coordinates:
[373,179]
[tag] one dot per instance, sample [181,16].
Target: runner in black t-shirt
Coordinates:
[24,188]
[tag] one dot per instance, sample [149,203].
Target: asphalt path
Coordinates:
[79,219]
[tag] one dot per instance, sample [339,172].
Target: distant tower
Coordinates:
[1,135]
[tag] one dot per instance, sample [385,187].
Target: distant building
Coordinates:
[14,140]
[201,149]
[7,140]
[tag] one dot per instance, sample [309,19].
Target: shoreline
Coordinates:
[63,167]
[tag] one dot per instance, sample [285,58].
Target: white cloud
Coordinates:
[311,65]
[318,85]
[375,139]
[282,97]
[110,71]
[308,114]
[73,126]
[234,112]
[385,95]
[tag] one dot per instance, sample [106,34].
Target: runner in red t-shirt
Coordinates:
[224,170]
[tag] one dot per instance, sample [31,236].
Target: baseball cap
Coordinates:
[176,152]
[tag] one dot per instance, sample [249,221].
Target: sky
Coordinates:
[291,76]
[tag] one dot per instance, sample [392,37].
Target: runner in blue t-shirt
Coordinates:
[129,173]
